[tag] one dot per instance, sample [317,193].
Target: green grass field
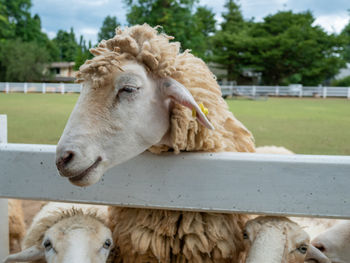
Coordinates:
[308,126]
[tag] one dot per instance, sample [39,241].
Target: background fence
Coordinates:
[298,91]
[299,185]
[254,92]
[9,87]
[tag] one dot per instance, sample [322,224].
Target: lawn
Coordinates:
[305,126]
[309,126]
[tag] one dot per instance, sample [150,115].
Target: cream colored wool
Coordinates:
[146,235]
[17,228]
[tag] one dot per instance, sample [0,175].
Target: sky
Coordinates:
[86,16]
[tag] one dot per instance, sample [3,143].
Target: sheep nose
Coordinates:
[319,246]
[65,159]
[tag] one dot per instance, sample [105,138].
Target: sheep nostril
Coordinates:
[64,160]
[320,247]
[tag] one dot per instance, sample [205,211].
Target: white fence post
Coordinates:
[301,92]
[324,92]
[253,91]
[44,88]
[277,90]
[25,87]
[62,88]
[7,87]
[348,93]
[4,223]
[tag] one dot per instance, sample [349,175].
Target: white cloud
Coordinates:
[333,23]
[89,33]
[93,3]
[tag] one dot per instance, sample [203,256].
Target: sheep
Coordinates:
[17,227]
[140,93]
[334,242]
[277,239]
[66,233]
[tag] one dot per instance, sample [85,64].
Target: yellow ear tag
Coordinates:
[204,109]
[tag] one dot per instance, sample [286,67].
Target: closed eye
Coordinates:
[129,89]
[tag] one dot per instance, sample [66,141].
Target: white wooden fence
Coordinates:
[227,90]
[298,91]
[9,87]
[298,185]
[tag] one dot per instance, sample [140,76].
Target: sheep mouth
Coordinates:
[81,176]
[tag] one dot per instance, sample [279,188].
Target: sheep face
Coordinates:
[278,236]
[334,242]
[114,123]
[73,242]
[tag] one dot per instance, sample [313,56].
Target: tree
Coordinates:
[22,24]
[230,43]
[107,31]
[22,30]
[6,28]
[286,47]
[83,53]
[178,18]
[345,34]
[25,61]
[67,45]
[204,27]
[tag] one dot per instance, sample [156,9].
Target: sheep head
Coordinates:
[278,239]
[119,120]
[138,94]
[76,238]
[334,242]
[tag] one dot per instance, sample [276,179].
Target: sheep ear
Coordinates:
[178,93]
[30,254]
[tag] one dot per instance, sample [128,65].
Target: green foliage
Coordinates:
[66,44]
[231,42]
[25,61]
[190,26]
[107,31]
[18,21]
[345,34]
[6,28]
[21,41]
[204,27]
[344,82]
[286,46]
[83,53]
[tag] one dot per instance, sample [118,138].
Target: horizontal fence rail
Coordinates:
[254,92]
[301,185]
[291,185]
